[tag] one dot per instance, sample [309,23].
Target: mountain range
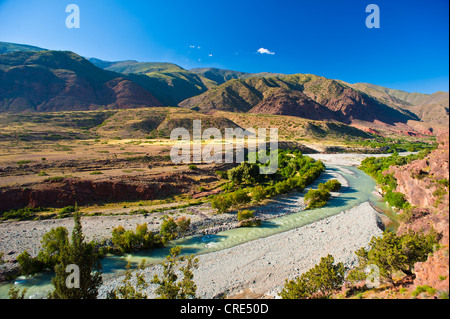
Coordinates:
[35,79]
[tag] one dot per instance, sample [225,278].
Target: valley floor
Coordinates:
[258,269]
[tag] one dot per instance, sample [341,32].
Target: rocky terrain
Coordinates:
[425,185]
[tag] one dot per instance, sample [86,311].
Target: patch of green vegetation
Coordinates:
[316,198]
[392,145]
[377,167]
[430,291]
[295,172]
[392,253]
[332,185]
[55,179]
[67,211]
[318,282]
[96,173]
[22,213]
[20,163]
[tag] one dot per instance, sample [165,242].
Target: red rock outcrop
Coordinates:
[70,191]
[425,185]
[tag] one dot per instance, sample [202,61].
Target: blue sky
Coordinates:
[410,51]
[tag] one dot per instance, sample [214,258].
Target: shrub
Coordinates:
[391,253]
[282,187]
[129,290]
[169,286]
[239,197]
[318,282]
[67,211]
[258,193]
[222,174]
[222,203]
[183,224]
[192,167]
[126,240]
[55,179]
[21,214]
[52,244]
[396,199]
[316,198]
[245,172]
[28,264]
[245,215]
[330,186]
[420,289]
[170,229]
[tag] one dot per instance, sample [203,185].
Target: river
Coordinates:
[360,189]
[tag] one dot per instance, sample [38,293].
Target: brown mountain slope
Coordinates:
[58,81]
[429,108]
[280,101]
[307,96]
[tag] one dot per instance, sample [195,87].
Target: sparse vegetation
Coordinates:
[126,241]
[392,253]
[318,282]
[169,285]
[316,198]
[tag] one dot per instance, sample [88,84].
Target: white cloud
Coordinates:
[210,55]
[192,46]
[265,51]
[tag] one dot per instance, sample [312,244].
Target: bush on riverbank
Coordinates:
[332,185]
[318,282]
[392,253]
[316,198]
[126,241]
[377,167]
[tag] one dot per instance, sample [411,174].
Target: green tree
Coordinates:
[169,285]
[244,173]
[129,290]
[85,257]
[316,198]
[318,282]
[28,264]
[245,215]
[332,185]
[52,244]
[392,253]
[222,203]
[258,193]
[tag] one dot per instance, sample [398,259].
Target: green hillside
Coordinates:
[6,47]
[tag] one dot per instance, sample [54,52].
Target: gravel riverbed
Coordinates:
[259,268]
